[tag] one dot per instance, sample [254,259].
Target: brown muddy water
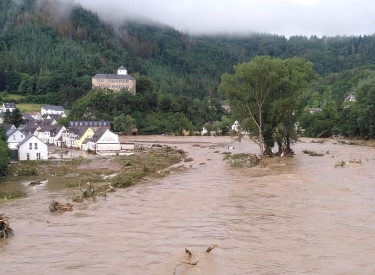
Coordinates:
[299,215]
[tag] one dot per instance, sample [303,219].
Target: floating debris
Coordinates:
[57,206]
[210,248]
[5,230]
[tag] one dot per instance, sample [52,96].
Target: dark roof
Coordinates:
[54,116]
[114,76]
[9,105]
[46,122]
[22,126]
[28,117]
[88,123]
[121,68]
[86,140]
[56,108]
[99,133]
[53,129]
[7,126]
[10,131]
[78,131]
[31,128]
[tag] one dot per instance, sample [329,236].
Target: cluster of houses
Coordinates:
[40,131]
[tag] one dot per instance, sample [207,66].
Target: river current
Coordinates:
[299,215]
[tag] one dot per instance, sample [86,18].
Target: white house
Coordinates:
[32,148]
[106,140]
[235,126]
[15,136]
[11,106]
[103,140]
[50,134]
[53,110]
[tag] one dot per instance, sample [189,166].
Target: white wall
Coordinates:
[24,149]
[15,138]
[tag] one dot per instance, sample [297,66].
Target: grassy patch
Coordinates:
[29,107]
[13,195]
[242,160]
[140,166]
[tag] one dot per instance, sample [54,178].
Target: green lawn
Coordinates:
[9,97]
[29,107]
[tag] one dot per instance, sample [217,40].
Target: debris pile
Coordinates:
[313,153]
[57,206]
[5,230]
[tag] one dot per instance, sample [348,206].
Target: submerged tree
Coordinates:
[263,86]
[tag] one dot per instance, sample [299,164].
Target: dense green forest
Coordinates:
[49,51]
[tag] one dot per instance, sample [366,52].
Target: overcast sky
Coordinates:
[284,17]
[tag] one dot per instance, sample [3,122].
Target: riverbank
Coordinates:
[118,171]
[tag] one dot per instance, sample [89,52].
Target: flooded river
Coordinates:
[299,215]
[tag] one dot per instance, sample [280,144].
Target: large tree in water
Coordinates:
[265,93]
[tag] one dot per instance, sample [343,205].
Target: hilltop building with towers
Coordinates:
[115,82]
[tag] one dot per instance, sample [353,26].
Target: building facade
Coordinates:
[115,82]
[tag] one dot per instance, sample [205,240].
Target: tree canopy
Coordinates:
[266,92]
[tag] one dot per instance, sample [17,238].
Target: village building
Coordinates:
[115,82]
[52,116]
[32,148]
[35,115]
[51,134]
[30,129]
[8,106]
[314,110]
[15,136]
[89,123]
[52,110]
[27,119]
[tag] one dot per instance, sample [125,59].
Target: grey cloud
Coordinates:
[284,17]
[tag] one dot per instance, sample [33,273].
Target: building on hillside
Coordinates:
[115,82]
[314,110]
[10,106]
[225,105]
[32,148]
[350,98]
[52,110]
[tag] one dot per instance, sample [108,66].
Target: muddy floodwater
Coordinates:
[300,215]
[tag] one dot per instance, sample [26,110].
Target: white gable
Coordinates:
[108,137]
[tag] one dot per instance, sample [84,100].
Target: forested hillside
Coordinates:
[49,51]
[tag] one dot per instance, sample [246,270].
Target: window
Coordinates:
[36,146]
[30,146]
[14,137]
[37,155]
[28,156]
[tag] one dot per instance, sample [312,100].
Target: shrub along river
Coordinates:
[299,215]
